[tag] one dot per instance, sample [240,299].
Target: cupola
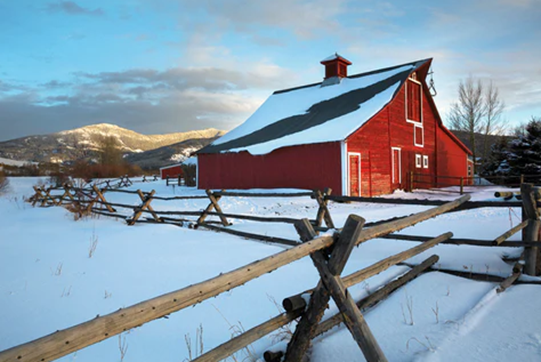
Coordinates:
[335,66]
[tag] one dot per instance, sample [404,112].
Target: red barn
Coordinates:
[360,135]
[171,171]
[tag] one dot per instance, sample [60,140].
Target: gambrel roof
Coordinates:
[315,113]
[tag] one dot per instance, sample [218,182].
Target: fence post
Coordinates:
[462,185]
[167,181]
[531,213]
[411,181]
[521,179]
[179,179]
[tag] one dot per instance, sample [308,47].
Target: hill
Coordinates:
[82,143]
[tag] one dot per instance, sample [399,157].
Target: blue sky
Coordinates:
[167,66]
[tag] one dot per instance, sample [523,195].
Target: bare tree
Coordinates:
[468,112]
[493,123]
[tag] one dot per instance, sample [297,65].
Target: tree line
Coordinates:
[479,110]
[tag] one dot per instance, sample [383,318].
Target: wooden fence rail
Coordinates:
[66,341]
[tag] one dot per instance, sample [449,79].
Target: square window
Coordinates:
[418,161]
[425,161]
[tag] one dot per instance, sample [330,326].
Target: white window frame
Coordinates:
[425,161]
[422,143]
[416,124]
[418,163]
[358,154]
[393,177]
[420,101]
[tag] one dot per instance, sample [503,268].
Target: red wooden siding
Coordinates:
[372,142]
[173,171]
[314,166]
[452,160]
[354,173]
[389,129]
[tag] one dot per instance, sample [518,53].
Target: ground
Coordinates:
[57,272]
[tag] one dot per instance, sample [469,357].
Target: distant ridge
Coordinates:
[81,143]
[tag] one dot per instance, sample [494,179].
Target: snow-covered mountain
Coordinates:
[82,143]
[168,155]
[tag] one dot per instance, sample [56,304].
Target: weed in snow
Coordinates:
[428,345]
[199,347]
[93,243]
[436,312]
[284,333]
[409,305]
[58,271]
[122,346]
[236,330]
[66,293]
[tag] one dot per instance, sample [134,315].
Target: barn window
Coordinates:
[413,101]
[425,161]
[418,161]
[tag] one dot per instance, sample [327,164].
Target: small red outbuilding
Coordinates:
[171,171]
[360,135]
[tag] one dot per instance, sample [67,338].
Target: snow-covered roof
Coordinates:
[315,113]
[333,57]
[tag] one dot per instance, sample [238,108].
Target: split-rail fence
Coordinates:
[329,254]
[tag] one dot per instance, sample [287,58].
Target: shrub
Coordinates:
[4,182]
[58,179]
[189,172]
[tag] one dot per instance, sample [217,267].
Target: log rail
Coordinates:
[69,340]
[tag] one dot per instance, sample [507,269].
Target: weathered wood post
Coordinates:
[530,212]
[179,180]
[411,182]
[138,211]
[167,181]
[462,185]
[213,206]
[323,213]
[521,179]
[332,285]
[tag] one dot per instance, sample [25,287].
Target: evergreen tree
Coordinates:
[525,153]
[497,163]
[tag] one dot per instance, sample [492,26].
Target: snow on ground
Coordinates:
[49,282]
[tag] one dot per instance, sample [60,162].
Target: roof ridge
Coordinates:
[358,75]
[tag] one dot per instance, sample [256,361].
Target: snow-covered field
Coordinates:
[56,272]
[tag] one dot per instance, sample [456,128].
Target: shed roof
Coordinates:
[315,113]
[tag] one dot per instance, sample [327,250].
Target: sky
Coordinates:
[161,66]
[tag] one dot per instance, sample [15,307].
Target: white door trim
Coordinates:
[358,154]
[344,159]
[399,164]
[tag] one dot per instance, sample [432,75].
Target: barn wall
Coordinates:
[452,159]
[173,171]
[313,166]
[372,142]
[387,129]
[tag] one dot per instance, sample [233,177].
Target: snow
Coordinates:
[191,161]
[297,102]
[49,282]
[183,155]
[10,162]
[332,57]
